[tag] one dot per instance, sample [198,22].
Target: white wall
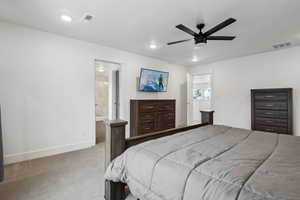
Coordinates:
[47,90]
[233,79]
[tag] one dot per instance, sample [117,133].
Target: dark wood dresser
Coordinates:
[1,153]
[148,116]
[272,110]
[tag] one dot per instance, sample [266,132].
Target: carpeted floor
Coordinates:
[70,176]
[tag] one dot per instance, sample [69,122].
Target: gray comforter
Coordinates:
[212,163]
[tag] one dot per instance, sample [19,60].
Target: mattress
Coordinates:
[212,163]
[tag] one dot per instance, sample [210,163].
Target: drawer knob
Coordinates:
[269,105]
[269,96]
[268,113]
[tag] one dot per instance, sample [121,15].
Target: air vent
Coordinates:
[282,45]
[87,17]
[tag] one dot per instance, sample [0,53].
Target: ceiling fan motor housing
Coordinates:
[200,40]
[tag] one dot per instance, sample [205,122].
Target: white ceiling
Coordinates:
[132,24]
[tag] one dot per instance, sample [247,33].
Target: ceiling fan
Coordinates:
[203,37]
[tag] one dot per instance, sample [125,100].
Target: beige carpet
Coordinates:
[70,176]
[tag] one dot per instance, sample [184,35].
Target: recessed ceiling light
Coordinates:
[66,18]
[195,59]
[153,46]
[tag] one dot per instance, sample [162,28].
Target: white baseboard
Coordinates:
[19,157]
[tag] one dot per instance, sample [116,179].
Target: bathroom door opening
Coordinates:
[199,89]
[107,95]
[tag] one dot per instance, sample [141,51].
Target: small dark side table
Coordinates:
[207,116]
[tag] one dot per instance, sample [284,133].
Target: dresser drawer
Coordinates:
[143,121]
[147,116]
[271,114]
[272,122]
[167,106]
[147,107]
[271,105]
[272,129]
[271,96]
[146,127]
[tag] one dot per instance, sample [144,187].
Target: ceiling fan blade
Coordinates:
[219,26]
[170,43]
[186,29]
[220,37]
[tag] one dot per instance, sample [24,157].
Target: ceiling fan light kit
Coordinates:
[201,37]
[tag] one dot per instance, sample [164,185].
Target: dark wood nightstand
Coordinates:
[207,116]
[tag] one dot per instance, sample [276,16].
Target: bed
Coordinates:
[205,161]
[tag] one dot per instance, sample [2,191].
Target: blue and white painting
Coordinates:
[153,81]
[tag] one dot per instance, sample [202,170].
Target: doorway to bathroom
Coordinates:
[107,95]
[199,87]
